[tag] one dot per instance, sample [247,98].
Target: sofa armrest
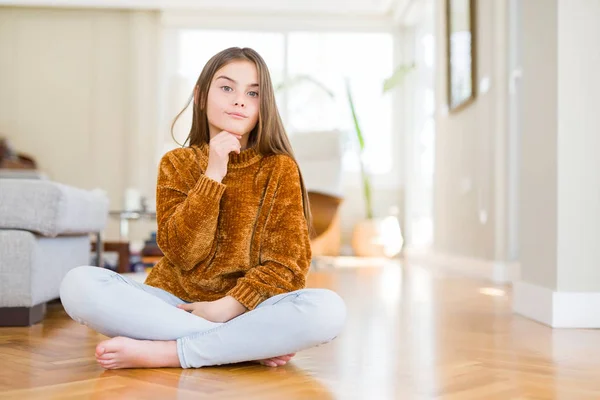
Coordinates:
[50,208]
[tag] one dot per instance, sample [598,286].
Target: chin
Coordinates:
[235,128]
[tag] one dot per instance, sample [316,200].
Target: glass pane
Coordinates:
[329,58]
[197,47]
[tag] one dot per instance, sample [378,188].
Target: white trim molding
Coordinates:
[557,309]
[495,271]
[280,21]
[332,7]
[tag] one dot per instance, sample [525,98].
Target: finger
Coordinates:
[186,307]
[235,141]
[230,134]
[237,147]
[237,135]
[224,135]
[232,144]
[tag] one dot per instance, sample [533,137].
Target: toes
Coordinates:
[273,362]
[267,363]
[104,347]
[106,356]
[277,361]
[100,350]
[108,364]
[110,346]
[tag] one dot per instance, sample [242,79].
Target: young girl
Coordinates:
[233,224]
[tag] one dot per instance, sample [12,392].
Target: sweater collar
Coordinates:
[245,158]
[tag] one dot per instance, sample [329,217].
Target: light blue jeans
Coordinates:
[116,305]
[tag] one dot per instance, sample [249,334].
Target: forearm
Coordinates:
[186,231]
[229,308]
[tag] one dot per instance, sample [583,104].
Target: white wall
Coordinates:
[578,227]
[560,167]
[78,92]
[470,159]
[559,190]
[538,145]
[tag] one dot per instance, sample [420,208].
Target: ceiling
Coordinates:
[368,8]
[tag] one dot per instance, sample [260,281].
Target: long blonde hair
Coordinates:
[268,136]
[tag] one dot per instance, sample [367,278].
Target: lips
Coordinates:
[237,115]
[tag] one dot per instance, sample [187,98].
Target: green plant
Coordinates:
[397,77]
[395,80]
[366,181]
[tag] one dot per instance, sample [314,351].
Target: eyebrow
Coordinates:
[232,80]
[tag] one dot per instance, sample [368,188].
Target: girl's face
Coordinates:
[233,103]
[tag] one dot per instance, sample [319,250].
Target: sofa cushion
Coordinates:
[51,208]
[32,266]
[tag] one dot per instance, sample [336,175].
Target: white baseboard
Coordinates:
[534,302]
[495,271]
[557,309]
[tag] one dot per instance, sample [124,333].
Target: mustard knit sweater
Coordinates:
[245,237]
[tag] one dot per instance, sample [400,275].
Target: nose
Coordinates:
[239,101]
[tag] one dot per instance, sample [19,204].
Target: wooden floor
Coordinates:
[412,333]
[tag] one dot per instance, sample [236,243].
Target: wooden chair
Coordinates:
[326,238]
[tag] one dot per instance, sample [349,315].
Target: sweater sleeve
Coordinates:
[285,251]
[186,216]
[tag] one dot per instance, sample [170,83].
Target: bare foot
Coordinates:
[276,361]
[122,352]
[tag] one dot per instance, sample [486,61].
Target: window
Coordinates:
[328,58]
[365,59]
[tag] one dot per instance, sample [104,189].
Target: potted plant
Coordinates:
[372,237]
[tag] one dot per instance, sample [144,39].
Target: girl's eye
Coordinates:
[226,88]
[253,94]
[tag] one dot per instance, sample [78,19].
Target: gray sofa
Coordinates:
[45,230]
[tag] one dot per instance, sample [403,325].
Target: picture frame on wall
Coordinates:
[461,53]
